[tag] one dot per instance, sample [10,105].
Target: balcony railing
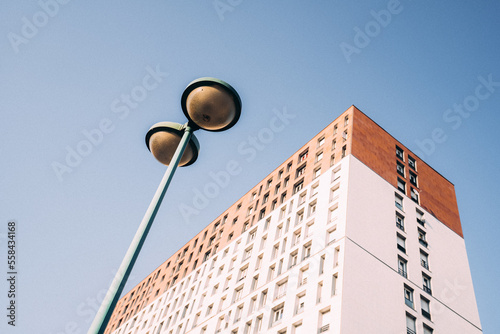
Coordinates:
[324,328]
[409,303]
[428,290]
[400,226]
[410,331]
[402,272]
[423,242]
[424,264]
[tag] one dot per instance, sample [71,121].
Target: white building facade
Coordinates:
[346,253]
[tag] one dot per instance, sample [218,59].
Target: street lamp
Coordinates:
[209,104]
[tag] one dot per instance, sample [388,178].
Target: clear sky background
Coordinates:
[68,72]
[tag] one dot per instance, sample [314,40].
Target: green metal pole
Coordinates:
[108,305]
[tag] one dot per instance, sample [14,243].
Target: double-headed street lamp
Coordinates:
[209,104]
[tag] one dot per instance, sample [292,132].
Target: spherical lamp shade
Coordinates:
[164,137]
[211,104]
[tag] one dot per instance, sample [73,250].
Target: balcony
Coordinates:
[409,303]
[324,328]
[423,242]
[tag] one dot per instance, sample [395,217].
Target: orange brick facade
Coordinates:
[351,133]
[376,148]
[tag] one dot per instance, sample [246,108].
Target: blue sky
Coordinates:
[68,68]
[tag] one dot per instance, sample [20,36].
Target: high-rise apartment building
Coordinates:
[352,234]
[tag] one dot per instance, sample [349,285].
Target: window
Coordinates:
[332,160]
[271,273]
[334,193]
[300,171]
[400,168]
[303,156]
[262,213]
[335,128]
[332,214]
[317,173]
[277,188]
[314,190]
[400,221]
[425,306]
[330,236]
[344,151]
[346,120]
[413,179]
[280,290]
[426,282]
[428,330]
[324,325]
[298,186]
[302,198]
[237,314]
[251,236]
[412,163]
[400,153]
[401,243]
[303,274]
[255,281]
[402,265]
[408,296]
[414,195]
[283,197]
[319,156]
[279,230]
[306,252]
[344,135]
[335,278]
[269,182]
[401,185]
[410,324]
[285,182]
[243,273]
[278,313]
[424,260]
[300,217]
[300,303]
[275,251]
[308,229]
[421,238]
[289,166]
[420,217]
[321,141]
[274,204]
[263,298]
[398,201]
[259,262]
[293,258]
[238,292]
[265,198]
[312,208]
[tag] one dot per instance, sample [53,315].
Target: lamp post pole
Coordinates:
[104,314]
[209,104]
